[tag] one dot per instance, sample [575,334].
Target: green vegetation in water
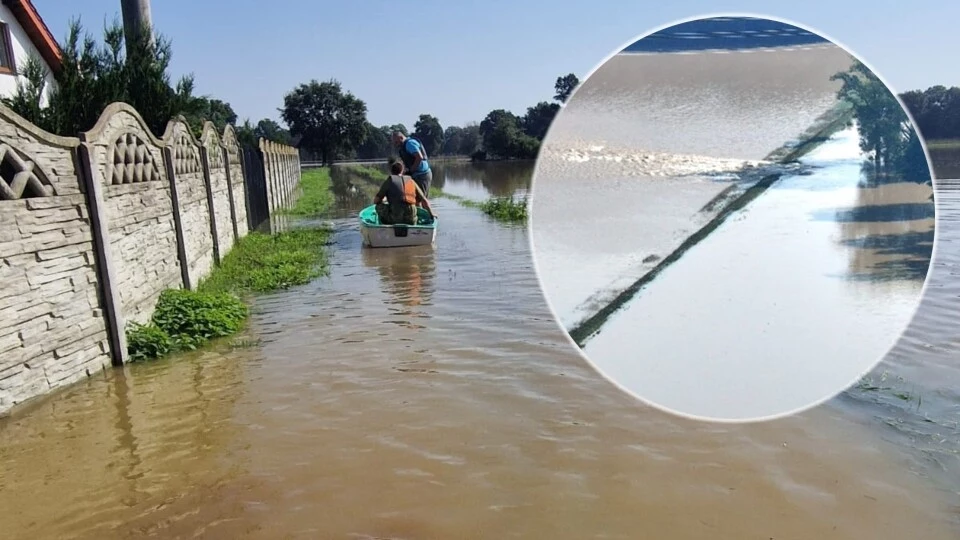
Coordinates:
[183,321]
[316,197]
[506,209]
[267,262]
[371,175]
[881,385]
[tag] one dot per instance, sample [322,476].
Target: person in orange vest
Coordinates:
[399,197]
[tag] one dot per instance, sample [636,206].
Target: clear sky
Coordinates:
[460,59]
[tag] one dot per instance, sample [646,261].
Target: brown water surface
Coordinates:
[428,393]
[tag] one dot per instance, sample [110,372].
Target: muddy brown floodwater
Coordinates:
[429,394]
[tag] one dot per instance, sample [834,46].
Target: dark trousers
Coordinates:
[424,180]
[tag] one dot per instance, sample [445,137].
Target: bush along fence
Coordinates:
[94,228]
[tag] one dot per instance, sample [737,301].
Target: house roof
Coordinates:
[41,37]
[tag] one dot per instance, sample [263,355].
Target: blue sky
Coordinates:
[458,60]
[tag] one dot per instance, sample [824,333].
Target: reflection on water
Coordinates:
[775,329]
[431,396]
[113,450]
[407,273]
[913,392]
[946,163]
[479,181]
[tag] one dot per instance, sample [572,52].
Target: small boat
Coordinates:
[376,234]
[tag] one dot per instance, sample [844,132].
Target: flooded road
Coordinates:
[646,142]
[429,394]
[789,301]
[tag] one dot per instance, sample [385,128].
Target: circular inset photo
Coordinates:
[733,218]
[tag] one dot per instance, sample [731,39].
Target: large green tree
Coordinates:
[428,130]
[885,129]
[538,118]
[565,86]
[216,111]
[248,133]
[95,75]
[452,138]
[376,143]
[470,139]
[328,120]
[504,138]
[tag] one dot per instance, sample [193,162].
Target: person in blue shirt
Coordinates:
[414,157]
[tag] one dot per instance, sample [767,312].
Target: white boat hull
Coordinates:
[385,236]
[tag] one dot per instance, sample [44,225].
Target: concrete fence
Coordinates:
[281,163]
[94,228]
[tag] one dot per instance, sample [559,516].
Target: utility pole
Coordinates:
[136,18]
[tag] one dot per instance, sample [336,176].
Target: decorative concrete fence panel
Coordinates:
[282,170]
[220,189]
[234,166]
[52,326]
[183,163]
[269,174]
[126,165]
[93,229]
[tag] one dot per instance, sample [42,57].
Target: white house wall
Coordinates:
[23,48]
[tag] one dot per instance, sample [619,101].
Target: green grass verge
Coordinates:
[184,320]
[316,198]
[372,175]
[261,263]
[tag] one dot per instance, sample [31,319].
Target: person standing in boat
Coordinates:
[415,159]
[399,197]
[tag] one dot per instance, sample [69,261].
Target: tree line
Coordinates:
[330,123]
[936,111]
[324,120]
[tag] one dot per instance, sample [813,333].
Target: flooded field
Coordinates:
[429,394]
[833,266]
[946,162]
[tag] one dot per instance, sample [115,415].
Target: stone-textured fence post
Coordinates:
[267,173]
[238,190]
[191,202]
[221,200]
[125,171]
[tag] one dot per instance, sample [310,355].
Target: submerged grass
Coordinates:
[262,262]
[316,196]
[506,209]
[185,320]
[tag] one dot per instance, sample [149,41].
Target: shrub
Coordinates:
[147,341]
[184,320]
[191,318]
